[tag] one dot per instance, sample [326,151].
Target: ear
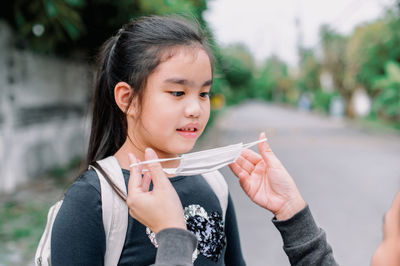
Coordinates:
[122,95]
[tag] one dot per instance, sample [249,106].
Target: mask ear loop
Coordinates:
[169,171]
[155,161]
[251,144]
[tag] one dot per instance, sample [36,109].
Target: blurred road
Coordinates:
[347,175]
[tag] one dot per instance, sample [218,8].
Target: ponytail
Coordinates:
[109,124]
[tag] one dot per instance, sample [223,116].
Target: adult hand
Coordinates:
[388,251]
[265,180]
[157,209]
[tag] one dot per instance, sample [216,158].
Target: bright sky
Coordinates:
[268,27]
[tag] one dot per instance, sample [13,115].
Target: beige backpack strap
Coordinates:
[43,251]
[217,182]
[115,210]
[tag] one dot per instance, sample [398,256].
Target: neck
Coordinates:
[138,151]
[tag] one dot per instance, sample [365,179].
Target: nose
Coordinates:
[193,108]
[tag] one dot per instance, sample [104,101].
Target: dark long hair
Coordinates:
[131,56]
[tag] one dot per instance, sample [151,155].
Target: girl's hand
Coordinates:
[157,209]
[264,179]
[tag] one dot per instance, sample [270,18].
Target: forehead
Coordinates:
[184,62]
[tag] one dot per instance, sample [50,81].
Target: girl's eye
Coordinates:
[204,94]
[177,93]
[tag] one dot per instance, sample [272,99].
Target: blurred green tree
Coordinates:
[272,81]
[309,81]
[373,50]
[334,63]
[386,104]
[367,51]
[64,27]
[309,71]
[237,66]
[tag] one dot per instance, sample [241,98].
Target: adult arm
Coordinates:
[267,183]
[175,247]
[175,244]
[303,241]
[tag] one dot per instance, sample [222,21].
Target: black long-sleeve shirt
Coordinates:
[78,236]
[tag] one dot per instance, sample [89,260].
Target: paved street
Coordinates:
[347,175]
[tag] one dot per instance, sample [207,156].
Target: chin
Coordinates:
[184,147]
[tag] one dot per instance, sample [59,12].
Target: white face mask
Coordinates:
[201,162]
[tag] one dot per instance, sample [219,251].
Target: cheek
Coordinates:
[206,111]
[157,119]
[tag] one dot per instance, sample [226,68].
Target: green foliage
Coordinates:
[44,24]
[369,48]
[23,214]
[237,66]
[309,71]
[273,79]
[221,86]
[321,100]
[333,46]
[65,26]
[368,58]
[21,225]
[386,104]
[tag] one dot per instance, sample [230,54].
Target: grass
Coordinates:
[378,125]
[23,214]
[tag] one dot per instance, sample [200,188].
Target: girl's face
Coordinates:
[176,104]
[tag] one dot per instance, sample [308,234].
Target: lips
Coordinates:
[189,128]
[188,131]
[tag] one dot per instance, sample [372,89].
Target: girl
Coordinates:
[152,90]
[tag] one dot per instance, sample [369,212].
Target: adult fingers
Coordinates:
[251,156]
[146,180]
[157,174]
[238,171]
[245,164]
[266,153]
[135,178]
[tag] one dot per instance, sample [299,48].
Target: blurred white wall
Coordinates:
[43,112]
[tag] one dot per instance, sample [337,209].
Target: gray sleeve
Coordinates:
[175,247]
[303,241]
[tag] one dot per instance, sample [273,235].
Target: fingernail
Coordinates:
[150,153]
[262,135]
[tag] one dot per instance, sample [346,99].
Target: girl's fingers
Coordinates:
[157,174]
[135,178]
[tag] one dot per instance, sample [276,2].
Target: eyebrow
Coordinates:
[186,82]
